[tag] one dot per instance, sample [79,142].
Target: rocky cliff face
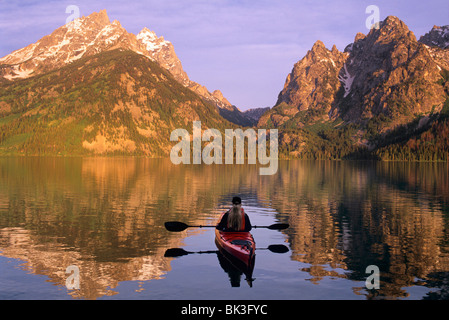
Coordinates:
[386,72]
[389,72]
[385,89]
[438,36]
[312,85]
[313,81]
[437,43]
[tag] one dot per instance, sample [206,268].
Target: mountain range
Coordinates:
[91,35]
[104,90]
[91,87]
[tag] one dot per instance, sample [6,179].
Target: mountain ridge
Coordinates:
[116,102]
[93,34]
[386,94]
[383,81]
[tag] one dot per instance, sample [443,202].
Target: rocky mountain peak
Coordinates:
[87,36]
[393,24]
[219,96]
[437,37]
[392,21]
[318,45]
[334,50]
[91,35]
[385,72]
[95,22]
[359,36]
[149,35]
[382,67]
[162,51]
[100,17]
[311,87]
[392,28]
[116,23]
[318,50]
[81,37]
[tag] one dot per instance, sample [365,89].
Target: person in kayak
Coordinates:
[235,219]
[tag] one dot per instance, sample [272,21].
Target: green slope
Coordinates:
[116,102]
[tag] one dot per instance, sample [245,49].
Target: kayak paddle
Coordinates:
[178,252]
[275,248]
[276,226]
[176,226]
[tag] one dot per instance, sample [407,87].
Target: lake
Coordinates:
[105,218]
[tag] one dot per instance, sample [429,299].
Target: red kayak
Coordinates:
[238,245]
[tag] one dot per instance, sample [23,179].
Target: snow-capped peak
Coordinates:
[87,36]
[151,40]
[91,35]
[147,34]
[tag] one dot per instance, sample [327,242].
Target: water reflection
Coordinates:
[348,216]
[106,216]
[234,271]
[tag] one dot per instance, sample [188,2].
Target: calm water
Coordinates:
[106,216]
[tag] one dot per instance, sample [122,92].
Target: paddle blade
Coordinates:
[175,226]
[278,248]
[175,252]
[279,226]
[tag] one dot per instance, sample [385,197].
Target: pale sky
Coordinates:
[245,48]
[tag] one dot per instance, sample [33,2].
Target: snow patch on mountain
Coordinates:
[347,80]
[74,25]
[151,41]
[18,73]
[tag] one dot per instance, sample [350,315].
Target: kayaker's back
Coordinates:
[226,223]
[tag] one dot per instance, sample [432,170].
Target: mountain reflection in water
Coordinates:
[106,216]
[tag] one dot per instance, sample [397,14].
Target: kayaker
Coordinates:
[235,219]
